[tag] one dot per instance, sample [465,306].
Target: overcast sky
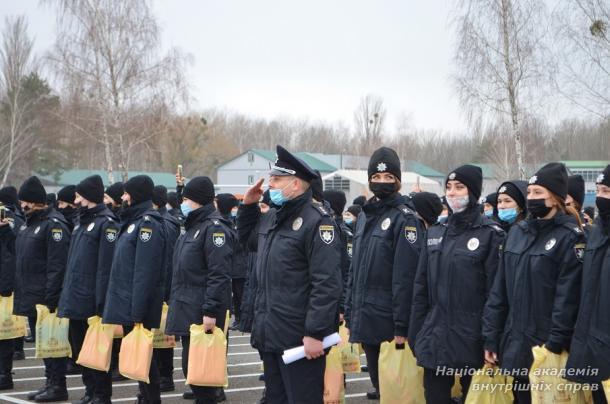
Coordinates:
[313,58]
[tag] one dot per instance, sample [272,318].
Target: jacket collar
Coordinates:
[292,206]
[199,215]
[135,211]
[376,207]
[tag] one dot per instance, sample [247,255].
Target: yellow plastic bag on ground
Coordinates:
[456,390]
[350,353]
[334,390]
[97,346]
[136,354]
[207,358]
[160,340]
[51,335]
[10,326]
[546,370]
[400,379]
[490,386]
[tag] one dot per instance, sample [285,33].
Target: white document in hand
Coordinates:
[294,354]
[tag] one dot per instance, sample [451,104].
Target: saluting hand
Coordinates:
[254,194]
[313,348]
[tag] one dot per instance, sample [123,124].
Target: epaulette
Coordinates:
[318,207]
[405,210]
[574,228]
[55,220]
[146,218]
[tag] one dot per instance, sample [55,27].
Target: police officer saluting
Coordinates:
[387,242]
[136,286]
[42,250]
[299,279]
[86,281]
[201,285]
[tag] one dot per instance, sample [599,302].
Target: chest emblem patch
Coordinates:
[386,223]
[473,244]
[298,222]
[550,244]
[196,234]
[327,233]
[36,230]
[130,228]
[90,227]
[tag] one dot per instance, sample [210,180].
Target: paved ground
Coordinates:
[244,387]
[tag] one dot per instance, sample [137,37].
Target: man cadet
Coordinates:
[42,249]
[136,286]
[86,281]
[8,233]
[299,277]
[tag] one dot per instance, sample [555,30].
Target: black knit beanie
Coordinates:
[67,194]
[159,197]
[469,175]
[92,189]
[517,190]
[554,177]
[360,200]
[200,190]
[140,189]
[8,196]
[428,206]
[317,187]
[33,191]
[115,191]
[576,188]
[492,199]
[384,160]
[226,203]
[172,199]
[355,210]
[604,177]
[337,200]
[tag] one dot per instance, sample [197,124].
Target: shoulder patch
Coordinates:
[111,235]
[327,233]
[145,234]
[57,234]
[219,239]
[579,250]
[411,234]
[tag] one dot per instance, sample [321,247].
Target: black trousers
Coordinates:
[599,397]
[97,383]
[372,362]
[438,387]
[165,361]
[238,292]
[203,395]
[114,358]
[7,347]
[301,382]
[18,344]
[150,391]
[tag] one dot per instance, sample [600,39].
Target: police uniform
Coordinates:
[136,287]
[201,282]
[8,234]
[534,300]
[455,273]
[42,251]
[387,243]
[299,285]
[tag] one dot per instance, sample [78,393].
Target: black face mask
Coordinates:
[125,204]
[382,190]
[603,205]
[67,212]
[537,208]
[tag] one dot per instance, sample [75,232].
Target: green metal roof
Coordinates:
[421,169]
[73,177]
[594,164]
[310,160]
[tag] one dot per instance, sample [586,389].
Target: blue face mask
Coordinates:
[277,197]
[508,215]
[185,208]
[489,213]
[348,220]
[442,219]
[233,213]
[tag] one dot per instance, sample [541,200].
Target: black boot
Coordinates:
[31,396]
[6,381]
[166,384]
[188,395]
[72,368]
[220,395]
[263,399]
[373,395]
[117,376]
[55,392]
[29,338]
[99,400]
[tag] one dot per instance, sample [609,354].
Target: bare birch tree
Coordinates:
[369,119]
[500,57]
[107,56]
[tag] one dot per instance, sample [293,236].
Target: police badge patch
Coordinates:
[327,233]
[411,234]
[111,235]
[57,235]
[145,234]
[579,250]
[218,239]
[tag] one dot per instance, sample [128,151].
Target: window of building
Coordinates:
[337,183]
[250,157]
[250,179]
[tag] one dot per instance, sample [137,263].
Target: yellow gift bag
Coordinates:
[350,353]
[10,326]
[490,386]
[160,340]
[606,386]
[136,354]
[334,390]
[97,346]
[51,335]
[400,379]
[207,358]
[546,370]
